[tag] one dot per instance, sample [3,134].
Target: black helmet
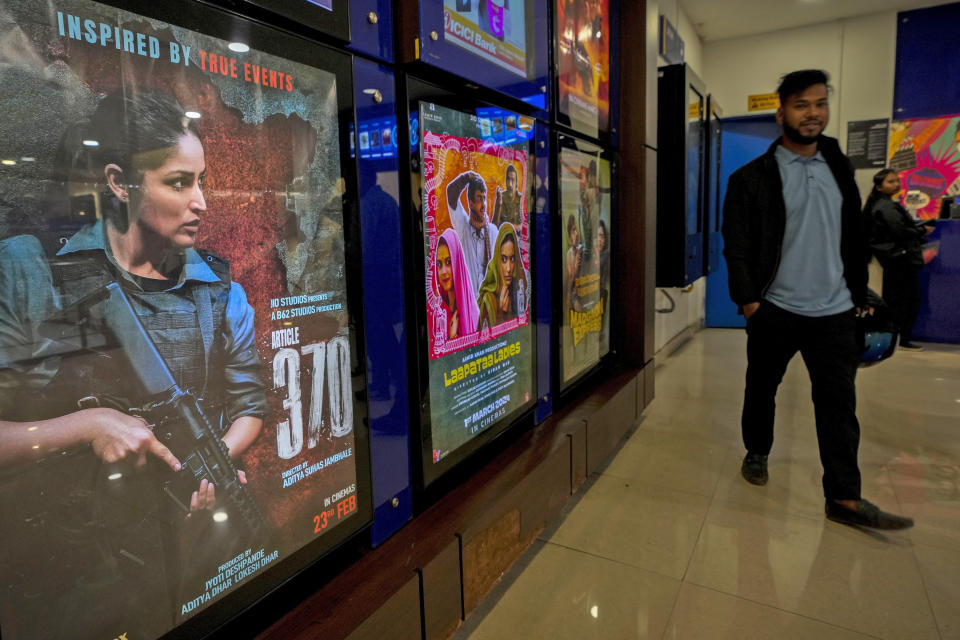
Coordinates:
[876,334]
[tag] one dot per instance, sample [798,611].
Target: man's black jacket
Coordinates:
[755,216]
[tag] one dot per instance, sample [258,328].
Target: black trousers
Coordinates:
[829,349]
[901,292]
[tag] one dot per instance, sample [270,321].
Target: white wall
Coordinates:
[690,305]
[858,53]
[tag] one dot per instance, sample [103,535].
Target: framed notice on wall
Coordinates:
[181,394]
[867,143]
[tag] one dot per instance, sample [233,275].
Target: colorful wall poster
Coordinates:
[477,249]
[585,213]
[177,365]
[926,154]
[583,63]
[495,30]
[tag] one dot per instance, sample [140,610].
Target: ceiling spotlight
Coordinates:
[193,115]
[27,159]
[219,516]
[238,47]
[9,163]
[114,476]
[91,143]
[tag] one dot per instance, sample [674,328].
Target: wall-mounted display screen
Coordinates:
[498,44]
[179,374]
[476,234]
[495,30]
[585,215]
[583,37]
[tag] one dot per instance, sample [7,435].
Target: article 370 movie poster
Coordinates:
[177,365]
[477,248]
[585,211]
[583,63]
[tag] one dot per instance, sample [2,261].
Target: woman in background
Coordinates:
[897,241]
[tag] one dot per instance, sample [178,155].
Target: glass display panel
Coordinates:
[179,355]
[495,30]
[585,216]
[331,17]
[714,182]
[477,181]
[498,44]
[695,152]
[583,36]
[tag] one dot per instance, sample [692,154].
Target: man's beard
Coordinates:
[795,136]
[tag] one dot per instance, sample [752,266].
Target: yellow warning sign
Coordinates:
[763,101]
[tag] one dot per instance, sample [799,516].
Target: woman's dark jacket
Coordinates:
[895,239]
[755,216]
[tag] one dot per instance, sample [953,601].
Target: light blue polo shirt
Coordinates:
[810,280]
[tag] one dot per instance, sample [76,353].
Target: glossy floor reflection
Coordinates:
[668,541]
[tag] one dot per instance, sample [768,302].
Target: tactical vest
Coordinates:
[183,325]
[87,556]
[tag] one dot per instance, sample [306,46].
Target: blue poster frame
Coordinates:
[384,302]
[544,276]
[371,28]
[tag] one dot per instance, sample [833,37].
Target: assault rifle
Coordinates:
[204,456]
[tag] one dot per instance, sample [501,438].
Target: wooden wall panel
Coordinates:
[442,604]
[606,428]
[397,619]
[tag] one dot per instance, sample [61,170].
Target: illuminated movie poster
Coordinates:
[583,63]
[926,154]
[176,390]
[585,211]
[477,248]
[494,30]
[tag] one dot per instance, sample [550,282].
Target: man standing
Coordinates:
[476,234]
[796,252]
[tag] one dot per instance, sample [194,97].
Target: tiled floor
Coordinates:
[668,541]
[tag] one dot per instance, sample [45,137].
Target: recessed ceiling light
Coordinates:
[114,476]
[9,163]
[27,159]
[220,516]
[192,114]
[91,143]
[238,47]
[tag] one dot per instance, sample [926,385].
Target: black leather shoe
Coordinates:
[867,514]
[754,469]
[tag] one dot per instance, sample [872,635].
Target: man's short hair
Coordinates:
[475,184]
[511,169]
[797,81]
